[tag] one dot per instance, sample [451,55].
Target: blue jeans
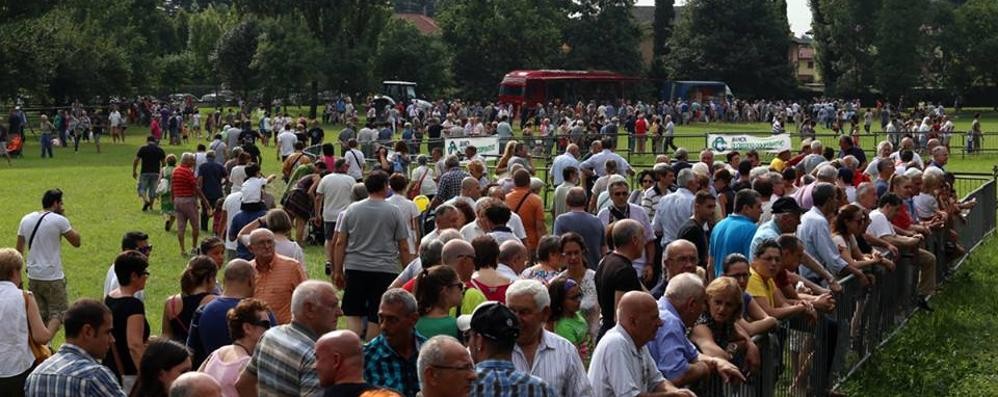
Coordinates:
[47,145]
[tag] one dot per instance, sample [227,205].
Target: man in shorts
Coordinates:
[41,233]
[372,238]
[152,158]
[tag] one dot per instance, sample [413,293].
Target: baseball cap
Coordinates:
[784,205]
[492,320]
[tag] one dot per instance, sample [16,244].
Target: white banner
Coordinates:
[723,143]
[487,146]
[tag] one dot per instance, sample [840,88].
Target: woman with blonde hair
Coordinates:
[715,332]
[503,164]
[22,321]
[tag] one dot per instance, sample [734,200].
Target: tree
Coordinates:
[287,56]
[489,38]
[601,34]
[978,21]
[233,55]
[405,54]
[662,31]
[844,35]
[347,29]
[896,64]
[741,42]
[203,31]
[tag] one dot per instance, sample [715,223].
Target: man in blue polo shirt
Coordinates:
[734,233]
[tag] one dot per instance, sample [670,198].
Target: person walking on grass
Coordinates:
[41,233]
[152,158]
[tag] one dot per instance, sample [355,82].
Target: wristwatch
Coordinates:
[732,348]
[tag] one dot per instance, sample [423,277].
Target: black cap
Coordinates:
[785,205]
[492,320]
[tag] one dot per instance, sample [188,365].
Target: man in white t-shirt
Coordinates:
[230,208]
[881,228]
[355,160]
[332,195]
[407,209]
[131,241]
[286,143]
[41,234]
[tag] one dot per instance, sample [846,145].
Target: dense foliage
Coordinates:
[56,51]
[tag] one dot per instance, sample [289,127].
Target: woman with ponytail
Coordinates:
[196,286]
[438,290]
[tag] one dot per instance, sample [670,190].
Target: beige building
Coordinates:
[803,60]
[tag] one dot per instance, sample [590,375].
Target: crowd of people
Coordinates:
[449,278]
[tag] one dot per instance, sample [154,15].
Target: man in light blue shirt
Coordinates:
[568,159]
[675,208]
[734,233]
[675,356]
[817,237]
[595,163]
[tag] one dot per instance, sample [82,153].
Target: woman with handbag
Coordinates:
[23,334]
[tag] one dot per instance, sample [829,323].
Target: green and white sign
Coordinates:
[487,146]
[723,143]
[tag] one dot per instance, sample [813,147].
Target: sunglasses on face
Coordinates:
[265,324]
[620,194]
[145,250]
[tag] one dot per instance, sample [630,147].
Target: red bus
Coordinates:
[542,86]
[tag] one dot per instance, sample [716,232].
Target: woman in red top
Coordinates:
[186,195]
[486,279]
[641,131]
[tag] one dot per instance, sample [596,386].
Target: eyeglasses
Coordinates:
[458,285]
[465,368]
[145,250]
[472,257]
[265,324]
[620,194]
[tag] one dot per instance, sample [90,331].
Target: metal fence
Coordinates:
[805,358]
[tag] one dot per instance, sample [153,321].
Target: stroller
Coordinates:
[16,145]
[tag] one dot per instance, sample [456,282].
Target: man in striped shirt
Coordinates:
[494,330]
[73,370]
[284,361]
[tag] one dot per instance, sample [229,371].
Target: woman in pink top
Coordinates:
[247,323]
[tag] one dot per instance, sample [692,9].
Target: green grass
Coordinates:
[102,205]
[949,352]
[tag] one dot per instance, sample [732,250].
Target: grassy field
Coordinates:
[102,205]
[949,352]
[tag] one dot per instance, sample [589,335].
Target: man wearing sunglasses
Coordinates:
[131,241]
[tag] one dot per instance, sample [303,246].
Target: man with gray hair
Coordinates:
[450,181]
[469,192]
[284,361]
[390,358]
[276,275]
[540,352]
[675,356]
[446,217]
[811,161]
[195,384]
[826,173]
[585,224]
[675,208]
[445,368]
[615,275]
[816,235]
[620,209]
[513,256]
